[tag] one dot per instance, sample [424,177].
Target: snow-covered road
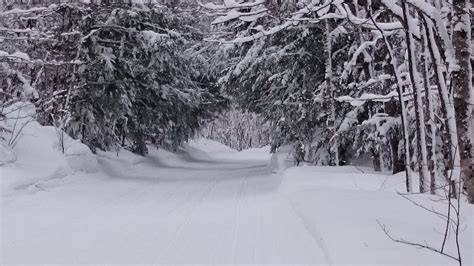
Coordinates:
[205,211]
[190,208]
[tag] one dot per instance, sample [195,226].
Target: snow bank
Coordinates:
[341,178]
[125,163]
[34,157]
[31,154]
[351,204]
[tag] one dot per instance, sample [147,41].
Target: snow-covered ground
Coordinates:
[207,203]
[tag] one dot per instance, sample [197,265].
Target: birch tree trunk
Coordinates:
[418,103]
[450,138]
[430,118]
[463,94]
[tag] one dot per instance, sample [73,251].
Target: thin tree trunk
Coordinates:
[451,153]
[403,111]
[418,103]
[429,109]
[462,84]
[330,88]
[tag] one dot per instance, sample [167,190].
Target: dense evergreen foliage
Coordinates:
[355,78]
[112,75]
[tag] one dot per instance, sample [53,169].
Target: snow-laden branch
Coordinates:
[23,57]
[383,123]
[369,23]
[434,14]
[15,55]
[18,11]
[362,49]
[19,30]
[244,16]
[368,97]
[258,35]
[27,91]
[319,9]
[230,4]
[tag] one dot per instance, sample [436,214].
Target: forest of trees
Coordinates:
[239,130]
[109,74]
[389,79]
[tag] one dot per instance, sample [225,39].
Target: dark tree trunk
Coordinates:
[461,83]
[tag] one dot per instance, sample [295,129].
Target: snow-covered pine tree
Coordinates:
[112,74]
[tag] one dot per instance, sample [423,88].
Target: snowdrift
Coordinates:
[347,209]
[31,153]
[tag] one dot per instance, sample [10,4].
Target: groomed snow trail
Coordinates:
[191,207]
[195,211]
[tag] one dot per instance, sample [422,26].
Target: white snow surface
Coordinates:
[34,152]
[208,204]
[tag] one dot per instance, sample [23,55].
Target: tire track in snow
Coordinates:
[139,192]
[110,201]
[235,230]
[258,227]
[313,232]
[194,204]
